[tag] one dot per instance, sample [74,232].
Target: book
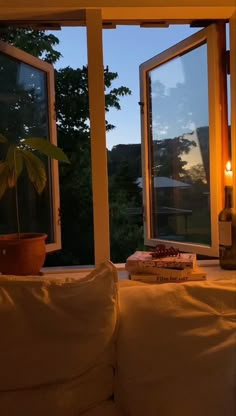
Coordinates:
[142,262]
[170,276]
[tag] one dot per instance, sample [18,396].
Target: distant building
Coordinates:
[164,182]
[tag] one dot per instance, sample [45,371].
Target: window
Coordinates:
[27,110]
[181,140]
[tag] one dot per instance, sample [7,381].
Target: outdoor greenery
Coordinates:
[72,110]
[22,157]
[124,162]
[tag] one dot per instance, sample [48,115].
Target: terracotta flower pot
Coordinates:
[24,256]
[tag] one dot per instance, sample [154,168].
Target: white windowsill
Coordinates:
[212,268]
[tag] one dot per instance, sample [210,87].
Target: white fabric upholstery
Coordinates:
[57,343]
[176,349]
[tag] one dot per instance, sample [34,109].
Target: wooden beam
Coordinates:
[62,11]
[225,150]
[232,24]
[98,136]
[99,4]
[168,13]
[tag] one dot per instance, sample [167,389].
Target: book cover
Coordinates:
[170,276]
[142,262]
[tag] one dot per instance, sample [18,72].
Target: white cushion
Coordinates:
[176,349]
[57,343]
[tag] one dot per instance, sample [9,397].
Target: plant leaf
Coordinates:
[10,157]
[4,169]
[36,170]
[3,139]
[19,162]
[47,148]
[8,177]
[15,163]
[11,178]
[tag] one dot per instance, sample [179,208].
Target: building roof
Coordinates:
[165,182]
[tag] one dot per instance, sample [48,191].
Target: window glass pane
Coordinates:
[24,113]
[179,149]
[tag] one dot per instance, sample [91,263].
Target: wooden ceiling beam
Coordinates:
[69,15]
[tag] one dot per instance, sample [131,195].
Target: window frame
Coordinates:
[48,69]
[214,52]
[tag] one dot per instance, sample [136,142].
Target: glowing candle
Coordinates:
[228,175]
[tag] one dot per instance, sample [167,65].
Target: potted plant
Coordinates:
[24,253]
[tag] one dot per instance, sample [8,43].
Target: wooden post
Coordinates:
[223,99]
[98,136]
[232,24]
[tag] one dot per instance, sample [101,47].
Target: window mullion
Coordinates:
[232,23]
[98,136]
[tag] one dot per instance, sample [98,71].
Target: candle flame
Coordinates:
[228,166]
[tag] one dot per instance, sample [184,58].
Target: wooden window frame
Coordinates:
[210,35]
[48,69]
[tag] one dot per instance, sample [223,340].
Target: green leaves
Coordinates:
[24,153]
[48,149]
[35,169]
[18,162]
[36,42]
[4,171]
[10,169]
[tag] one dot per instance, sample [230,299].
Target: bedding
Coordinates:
[176,349]
[57,343]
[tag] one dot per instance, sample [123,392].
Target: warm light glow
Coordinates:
[228,166]
[228,175]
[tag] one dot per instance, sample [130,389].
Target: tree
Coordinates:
[126,230]
[125,199]
[74,138]
[196,174]
[167,151]
[130,154]
[36,42]
[75,179]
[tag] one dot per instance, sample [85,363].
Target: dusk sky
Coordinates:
[125,48]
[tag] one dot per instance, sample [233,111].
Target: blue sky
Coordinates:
[125,48]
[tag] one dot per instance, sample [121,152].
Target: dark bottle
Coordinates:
[227,232]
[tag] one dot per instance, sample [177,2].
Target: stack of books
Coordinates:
[145,267]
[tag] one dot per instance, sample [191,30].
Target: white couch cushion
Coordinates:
[176,349]
[57,343]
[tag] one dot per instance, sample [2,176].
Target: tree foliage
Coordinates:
[75,180]
[72,107]
[36,42]
[166,151]
[124,161]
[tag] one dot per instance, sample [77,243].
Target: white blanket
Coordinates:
[176,349]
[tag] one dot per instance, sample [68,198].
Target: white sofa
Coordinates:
[89,346]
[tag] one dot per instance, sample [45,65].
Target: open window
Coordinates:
[27,102]
[182,121]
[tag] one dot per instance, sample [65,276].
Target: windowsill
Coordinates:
[211,267]
[77,269]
